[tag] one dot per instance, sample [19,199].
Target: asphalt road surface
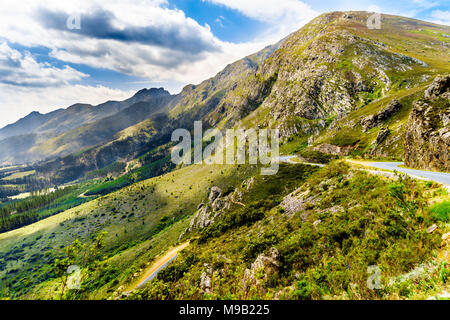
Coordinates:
[440,177]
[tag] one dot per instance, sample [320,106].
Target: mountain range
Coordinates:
[327,72]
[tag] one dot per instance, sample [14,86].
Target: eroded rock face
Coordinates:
[382,135]
[332,149]
[207,213]
[374,120]
[262,268]
[427,135]
[439,87]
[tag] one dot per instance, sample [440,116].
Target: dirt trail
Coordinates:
[158,265]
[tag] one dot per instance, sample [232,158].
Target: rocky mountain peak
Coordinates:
[155,92]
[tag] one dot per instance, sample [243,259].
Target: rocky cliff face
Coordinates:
[326,69]
[208,213]
[427,136]
[374,120]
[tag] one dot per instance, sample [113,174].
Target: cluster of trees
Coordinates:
[7,192]
[148,171]
[113,169]
[15,222]
[24,184]
[16,214]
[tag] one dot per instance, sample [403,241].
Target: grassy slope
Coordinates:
[329,260]
[19,175]
[130,216]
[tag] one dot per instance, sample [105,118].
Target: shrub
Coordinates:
[441,211]
[302,290]
[317,156]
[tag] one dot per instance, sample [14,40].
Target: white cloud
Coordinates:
[283,16]
[426,4]
[271,10]
[134,58]
[26,85]
[374,8]
[23,70]
[441,17]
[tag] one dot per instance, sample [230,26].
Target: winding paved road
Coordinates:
[440,177]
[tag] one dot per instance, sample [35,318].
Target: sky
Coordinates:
[54,53]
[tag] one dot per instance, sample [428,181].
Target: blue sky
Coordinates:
[125,45]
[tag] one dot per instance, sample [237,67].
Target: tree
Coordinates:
[85,256]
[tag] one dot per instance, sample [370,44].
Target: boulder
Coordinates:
[205,283]
[328,149]
[432,228]
[215,193]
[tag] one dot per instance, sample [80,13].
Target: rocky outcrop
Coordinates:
[333,149]
[328,148]
[439,87]
[381,137]
[207,213]
[214,194]
[205,279]
[427,135]
[375,120]
[216,206]
[297,201]
[262,268]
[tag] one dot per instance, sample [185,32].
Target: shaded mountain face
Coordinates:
[29,123]
[61,120]
[103,130]
[195,102]
[57,133]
